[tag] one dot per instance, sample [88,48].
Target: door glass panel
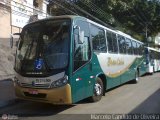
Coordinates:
[82,52]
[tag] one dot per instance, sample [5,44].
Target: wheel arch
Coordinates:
[138,70]
[102,76]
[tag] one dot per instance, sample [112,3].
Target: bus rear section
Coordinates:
[152,60]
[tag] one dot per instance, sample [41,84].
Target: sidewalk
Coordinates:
[7,94]
[6,59]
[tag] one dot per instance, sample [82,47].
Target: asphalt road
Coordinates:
[141,98]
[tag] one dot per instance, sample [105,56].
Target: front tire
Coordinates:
[136,77]
[98,91]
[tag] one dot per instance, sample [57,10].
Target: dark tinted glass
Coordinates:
[128,46]
[98,39]
[122,46]
[112,42]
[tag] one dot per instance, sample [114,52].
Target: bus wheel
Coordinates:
[98,91]
[153,70]
[136,77]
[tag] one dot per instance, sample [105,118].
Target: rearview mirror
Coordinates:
[81,37]
[80,34]
[11,38]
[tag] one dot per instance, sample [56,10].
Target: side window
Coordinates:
[112,42]
[157,56]
[154,54]
[98,39]
[128,46]
[134,44]
[151,54]
[82,52]
[122,46]
[142,49]
[139,49]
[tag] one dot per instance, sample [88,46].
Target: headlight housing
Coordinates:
[60,82]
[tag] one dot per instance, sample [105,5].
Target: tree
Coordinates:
[129,16]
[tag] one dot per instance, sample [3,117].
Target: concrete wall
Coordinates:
[5,18]
[5,27]
[5,22]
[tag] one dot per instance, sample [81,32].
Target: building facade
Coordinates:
[14,14]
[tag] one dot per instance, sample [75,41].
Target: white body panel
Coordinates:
[156,65]
[39,82]
[150,68]
[115,64]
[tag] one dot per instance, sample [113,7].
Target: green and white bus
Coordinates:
[152,60]
[65,59]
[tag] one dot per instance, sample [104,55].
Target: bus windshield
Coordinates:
[43,46]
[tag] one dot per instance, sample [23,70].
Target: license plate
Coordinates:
[33,92]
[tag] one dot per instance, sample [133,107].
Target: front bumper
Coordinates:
[61,95]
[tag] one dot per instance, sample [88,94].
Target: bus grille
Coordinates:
[35,85]
[39,95]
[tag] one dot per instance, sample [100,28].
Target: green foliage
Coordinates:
[129,16]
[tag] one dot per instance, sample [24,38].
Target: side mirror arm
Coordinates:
[11,40]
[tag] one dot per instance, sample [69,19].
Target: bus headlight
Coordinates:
[59,83]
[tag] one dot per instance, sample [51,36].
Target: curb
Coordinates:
[6,80]
[6,77]
[7,103]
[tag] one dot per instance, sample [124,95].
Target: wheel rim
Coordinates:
[136,76]
[98,89]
